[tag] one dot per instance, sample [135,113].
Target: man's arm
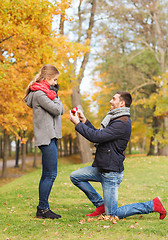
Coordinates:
[112,132]
[88,123]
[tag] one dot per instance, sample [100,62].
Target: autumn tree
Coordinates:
[27,42]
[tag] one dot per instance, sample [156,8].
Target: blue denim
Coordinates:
[110,183]
[49,172]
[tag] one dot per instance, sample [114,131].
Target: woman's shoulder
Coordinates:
[39,94]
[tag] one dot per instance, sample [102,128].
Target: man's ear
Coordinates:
[122,103]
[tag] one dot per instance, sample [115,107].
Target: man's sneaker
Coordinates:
[158,207]
[99,210]
[46,213]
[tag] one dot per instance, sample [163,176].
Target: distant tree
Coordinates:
[134,44]
[82,30]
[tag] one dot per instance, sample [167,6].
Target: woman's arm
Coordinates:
[54,107]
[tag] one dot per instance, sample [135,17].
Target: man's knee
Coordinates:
[72,177]
[75,177]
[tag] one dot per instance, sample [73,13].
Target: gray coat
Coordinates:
[46,117]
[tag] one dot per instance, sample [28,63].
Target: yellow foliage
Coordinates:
[159,99]
[27,42]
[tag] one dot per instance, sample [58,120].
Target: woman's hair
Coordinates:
[126,96]
[46,72]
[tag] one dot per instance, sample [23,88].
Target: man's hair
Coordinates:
[126,97]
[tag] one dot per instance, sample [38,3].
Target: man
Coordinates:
[108,168]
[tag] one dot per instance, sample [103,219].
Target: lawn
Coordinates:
[145,178]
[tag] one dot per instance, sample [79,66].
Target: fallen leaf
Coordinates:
[132,226]
[113,221]
[82,221]
[106,218]
[56,233]
[116,218]
[101,217]
[5,229]
[90,219]
[69,225]
[43,223]
[106,226]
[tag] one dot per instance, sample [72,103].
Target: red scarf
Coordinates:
[45,87]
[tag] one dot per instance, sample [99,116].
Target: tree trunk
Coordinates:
[65,140]
[75,146]
[70,144]
[83,143]
[23,156]
[151,147]
[61,26]
[9,146]
[130,147]
[27,147]
[31,146]
[4,166]
[155,126]
[164,150]
[17,153]
[59,147]
[1,155]
[143,145]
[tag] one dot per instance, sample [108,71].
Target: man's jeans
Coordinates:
[49,172]
[110,183]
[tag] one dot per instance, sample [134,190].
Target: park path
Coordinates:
[11,163]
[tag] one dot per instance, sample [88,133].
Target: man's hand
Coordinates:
[81,116]
[74,118]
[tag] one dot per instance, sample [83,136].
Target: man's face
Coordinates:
[116,102]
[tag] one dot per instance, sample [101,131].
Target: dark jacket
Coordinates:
[112,142]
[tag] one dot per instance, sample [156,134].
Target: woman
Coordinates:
[47,111]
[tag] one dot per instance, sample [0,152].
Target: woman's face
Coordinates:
[53,80]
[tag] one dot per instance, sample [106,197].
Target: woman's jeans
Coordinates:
[49,172]
[110,183]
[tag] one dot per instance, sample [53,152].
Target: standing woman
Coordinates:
[47,111]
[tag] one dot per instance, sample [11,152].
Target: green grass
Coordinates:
[145,178]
